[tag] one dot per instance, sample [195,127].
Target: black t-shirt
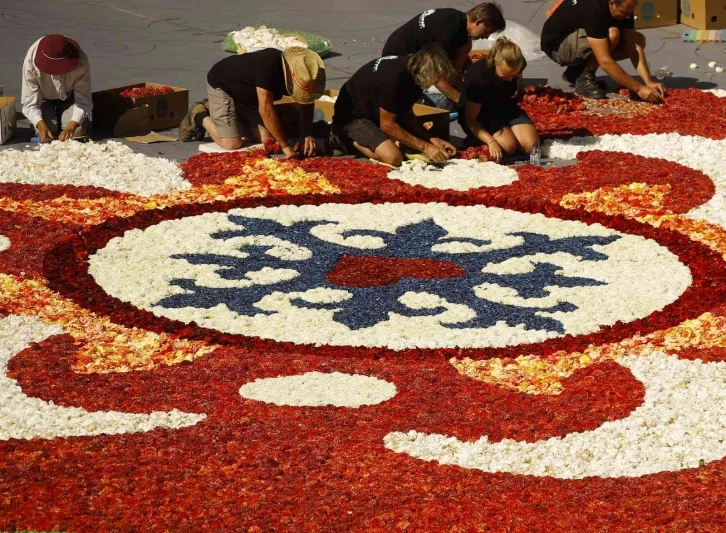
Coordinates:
[447,27]
[240,75]
[591,15]
[383,83]
[483,86]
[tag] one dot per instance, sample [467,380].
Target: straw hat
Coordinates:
[304,74]
[57,55]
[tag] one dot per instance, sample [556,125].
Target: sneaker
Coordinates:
[188,130]
[586,86]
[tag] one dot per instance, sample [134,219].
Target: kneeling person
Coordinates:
[56,88]
[491,115]
[379,97]
[241,93]
[588,34]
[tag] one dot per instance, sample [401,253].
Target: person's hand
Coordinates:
[495,151]
[43,132]
[446,146]
[289,151]
[310,146]
[435,154]
[69,131]
[648,94]
[658,87]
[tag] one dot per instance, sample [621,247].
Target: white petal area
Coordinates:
[720,93]
[4,243]
[698,153]
[681,422]
[111,165]
[316,389]
[151,267]
[637,275]
[23,417]
[455,174]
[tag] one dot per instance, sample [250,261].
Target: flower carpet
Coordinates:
[245,343]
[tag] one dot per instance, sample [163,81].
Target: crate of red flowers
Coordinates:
[166,105]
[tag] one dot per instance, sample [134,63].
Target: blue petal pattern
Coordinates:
[369,306]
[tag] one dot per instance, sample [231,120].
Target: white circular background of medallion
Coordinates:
[639,276]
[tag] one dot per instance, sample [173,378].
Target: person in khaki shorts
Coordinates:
[583,35]
[241,92]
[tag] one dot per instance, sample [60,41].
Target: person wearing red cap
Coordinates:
[56,88]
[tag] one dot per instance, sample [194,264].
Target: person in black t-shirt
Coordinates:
[451,29]
[241,92]
[583,35]
[490,114]
[378,97]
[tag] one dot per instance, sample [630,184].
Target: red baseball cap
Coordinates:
[57,54]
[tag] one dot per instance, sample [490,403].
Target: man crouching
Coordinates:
[375,105]
[241,93]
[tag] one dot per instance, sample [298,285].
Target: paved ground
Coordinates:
[175,42]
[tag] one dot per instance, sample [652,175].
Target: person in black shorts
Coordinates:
[376,102]
[490,114]
[241,92]
[451,29]
[583,35]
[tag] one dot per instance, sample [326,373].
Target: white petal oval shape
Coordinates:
[316,389]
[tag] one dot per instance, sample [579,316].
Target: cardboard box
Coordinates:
[165,111]
[7,118]
[655,13]
[478,54]
[704,14]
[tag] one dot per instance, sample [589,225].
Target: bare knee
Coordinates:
[507,141]
[389,153]
[230,143]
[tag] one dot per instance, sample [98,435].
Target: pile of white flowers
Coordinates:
[251,39]
[456,174]
[110,165]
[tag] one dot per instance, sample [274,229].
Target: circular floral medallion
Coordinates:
[390,275]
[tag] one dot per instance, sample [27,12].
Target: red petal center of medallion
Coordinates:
[359,271]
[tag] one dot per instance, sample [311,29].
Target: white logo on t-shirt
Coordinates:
[378,62]
[574,2]
[422,18]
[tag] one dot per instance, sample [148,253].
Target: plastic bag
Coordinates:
[527,40]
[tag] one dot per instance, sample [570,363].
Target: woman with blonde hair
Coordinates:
[490,114]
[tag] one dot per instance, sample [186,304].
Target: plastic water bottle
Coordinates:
[535,155]
[662,73]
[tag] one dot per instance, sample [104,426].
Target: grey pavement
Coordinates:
[176,42]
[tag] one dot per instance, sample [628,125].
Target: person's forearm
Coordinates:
[448,90]
[397,133]
[479,132]
[619,76]
[637,58]
[273,124]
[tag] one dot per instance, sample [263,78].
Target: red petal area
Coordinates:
[360,271]
[21,191]
[256,465]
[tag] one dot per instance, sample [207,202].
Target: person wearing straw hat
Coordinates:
[56,88]
[241,93]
